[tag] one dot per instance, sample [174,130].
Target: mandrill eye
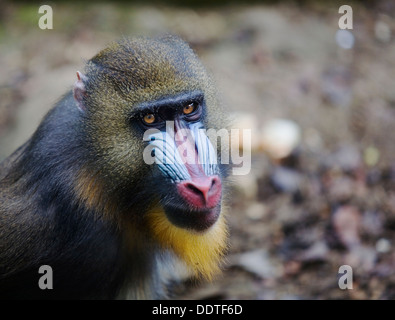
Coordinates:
[188,109]
[149,118]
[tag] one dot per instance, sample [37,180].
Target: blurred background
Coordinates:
[321,106]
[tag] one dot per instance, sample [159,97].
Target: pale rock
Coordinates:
[280,137]
[257,262]
[256,211]
[383,245]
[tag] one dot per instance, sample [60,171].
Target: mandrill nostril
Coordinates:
[212,183]
[202,192]
[201,188]
[193,188]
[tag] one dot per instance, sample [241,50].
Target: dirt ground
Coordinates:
[321,190]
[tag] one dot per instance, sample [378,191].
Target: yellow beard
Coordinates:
[201,251]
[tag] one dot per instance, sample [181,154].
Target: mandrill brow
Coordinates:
[119,191]
[167,107]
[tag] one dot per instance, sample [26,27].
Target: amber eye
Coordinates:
[149,118]
[188,109]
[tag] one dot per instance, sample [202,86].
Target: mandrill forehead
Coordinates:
[148,65]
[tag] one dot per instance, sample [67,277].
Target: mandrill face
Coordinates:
[151,103]
[179,147]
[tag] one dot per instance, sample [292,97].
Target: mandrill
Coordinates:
[120,185]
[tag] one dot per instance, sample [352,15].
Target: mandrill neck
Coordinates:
[202,252]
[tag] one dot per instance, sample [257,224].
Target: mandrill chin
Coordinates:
[120,186]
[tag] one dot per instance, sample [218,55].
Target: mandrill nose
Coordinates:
[203,192]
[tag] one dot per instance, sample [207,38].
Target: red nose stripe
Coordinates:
[201,192]
[186,148]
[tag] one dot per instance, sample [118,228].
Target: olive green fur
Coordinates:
[131,72]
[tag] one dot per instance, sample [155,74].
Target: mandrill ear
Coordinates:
[79,90]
